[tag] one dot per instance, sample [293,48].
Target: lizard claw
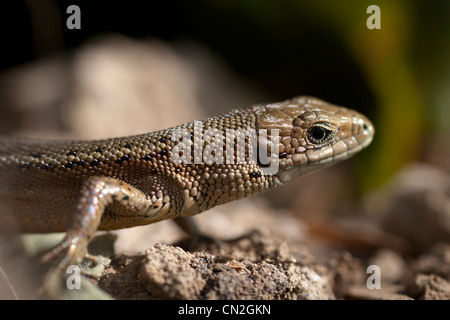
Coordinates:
[71,251]
[68,252]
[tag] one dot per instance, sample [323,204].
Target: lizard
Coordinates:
[81,186]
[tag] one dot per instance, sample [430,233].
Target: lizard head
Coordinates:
[312,134]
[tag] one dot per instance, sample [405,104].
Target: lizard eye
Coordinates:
[319,133]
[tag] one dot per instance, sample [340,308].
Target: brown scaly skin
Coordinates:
[84,186]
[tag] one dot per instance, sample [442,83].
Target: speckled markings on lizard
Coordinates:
[84,186]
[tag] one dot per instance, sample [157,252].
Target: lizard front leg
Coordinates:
[110,204]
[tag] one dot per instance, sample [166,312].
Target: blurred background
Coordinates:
[139,66]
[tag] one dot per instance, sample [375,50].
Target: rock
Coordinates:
[430,287]
[266,270]
[172,273]
[416,206]
[387,292]
[391,265]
